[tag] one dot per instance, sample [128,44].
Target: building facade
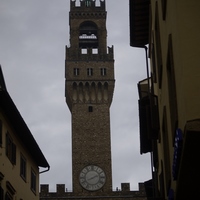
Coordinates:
[89,87]
[169,97]
[20,155]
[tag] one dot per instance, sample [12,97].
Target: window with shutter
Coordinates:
[1,193]
[23,167]
[8,196]
[13,159]
[10,149]
[1,132]
[33,181]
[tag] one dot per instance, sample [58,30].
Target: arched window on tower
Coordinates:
[88,35]
[88,3]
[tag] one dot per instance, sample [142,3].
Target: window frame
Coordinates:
[171,79]
[164,9]
[8,196]
[23,167]
[33,181]
[76,71]
[10,149]
[158,48]
[90,108]
[90,71]
[103,71]
[1,133]
[1,192]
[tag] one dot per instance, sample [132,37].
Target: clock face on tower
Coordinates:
[92,178]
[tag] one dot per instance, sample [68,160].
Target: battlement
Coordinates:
[124,192]
[77,4]
[89,54]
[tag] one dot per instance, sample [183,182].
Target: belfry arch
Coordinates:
[88,35]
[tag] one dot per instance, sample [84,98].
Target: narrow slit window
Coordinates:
[88,3]
[89,71]
[90,108]
[103,71]
[76,71]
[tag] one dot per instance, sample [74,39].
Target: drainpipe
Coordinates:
[149,93]
[147,67]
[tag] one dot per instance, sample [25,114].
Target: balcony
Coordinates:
[148,116]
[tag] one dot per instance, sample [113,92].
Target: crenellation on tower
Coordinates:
[44,189]
[60,188]
[118,194]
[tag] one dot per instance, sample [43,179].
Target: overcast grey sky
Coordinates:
[33,35]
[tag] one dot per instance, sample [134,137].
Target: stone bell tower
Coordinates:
[89,87]
[89,73]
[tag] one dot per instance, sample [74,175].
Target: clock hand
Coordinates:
[96,176]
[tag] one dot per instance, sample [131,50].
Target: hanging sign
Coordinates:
[177,153]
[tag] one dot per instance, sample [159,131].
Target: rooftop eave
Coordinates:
[20,128]
[139,22]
